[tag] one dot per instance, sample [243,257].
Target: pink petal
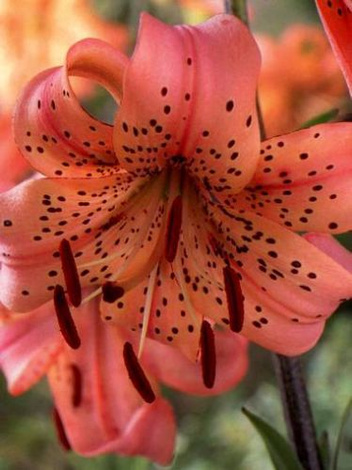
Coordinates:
[290,287]
[170,321]
[99,217]
[13,167]
[175,370]
[303,180]
[332,248]
[100,409]
[29,345]
[52,130]
[189,95]
[337,19]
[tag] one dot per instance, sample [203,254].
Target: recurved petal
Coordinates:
[106,221]
[52,130]
[303,180]
[330,246]
[336,16]
[175,370]
[290,287]
[98,405]
[29,344]
[189,97]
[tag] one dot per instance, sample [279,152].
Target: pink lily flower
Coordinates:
[176,215]
[97,409]
[336,16]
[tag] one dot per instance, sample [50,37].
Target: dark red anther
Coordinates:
[234,299]
[208,354]
[137,375]
[112,292]
[173,229]
[60,431]
[65,320]
[69,269]
[76,386]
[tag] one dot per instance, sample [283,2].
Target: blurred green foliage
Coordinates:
[213,433]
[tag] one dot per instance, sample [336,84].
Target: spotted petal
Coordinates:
[106,220]
[28,346]
[303,180]
[189,97]
[100,410]
[52,130]
[336,16]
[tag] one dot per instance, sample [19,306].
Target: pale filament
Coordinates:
[147,309]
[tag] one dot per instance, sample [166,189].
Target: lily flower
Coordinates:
[176,215]
[336,16]
[292,92]
[97,409]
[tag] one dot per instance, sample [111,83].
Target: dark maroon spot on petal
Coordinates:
[136,374]
[7,223]
[65,320]
[208,354]
[71,275]
[112,292]
[76,385]
[229,106]
[173,229]
[234,299]
[60,431]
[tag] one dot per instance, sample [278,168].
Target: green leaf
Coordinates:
[324,449]
[281,454]
[343,434]
[321,118]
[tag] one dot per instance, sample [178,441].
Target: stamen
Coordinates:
[65,320]
[77,386]
[147,308]
[173,229]
[60,431]
[112,292]
[234,299]
[71,276]
[208,355]
[137,375]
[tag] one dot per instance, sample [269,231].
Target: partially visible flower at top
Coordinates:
[336,16]
[97,410]
[33,36]
[36,35]
[175,215]
[295,90]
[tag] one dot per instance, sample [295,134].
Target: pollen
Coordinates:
[69,269]
[65,320]
[234,299]
[208,354]
[173,229]
[137,375]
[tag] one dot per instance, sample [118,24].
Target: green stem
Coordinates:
[237,8]
[297,410]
